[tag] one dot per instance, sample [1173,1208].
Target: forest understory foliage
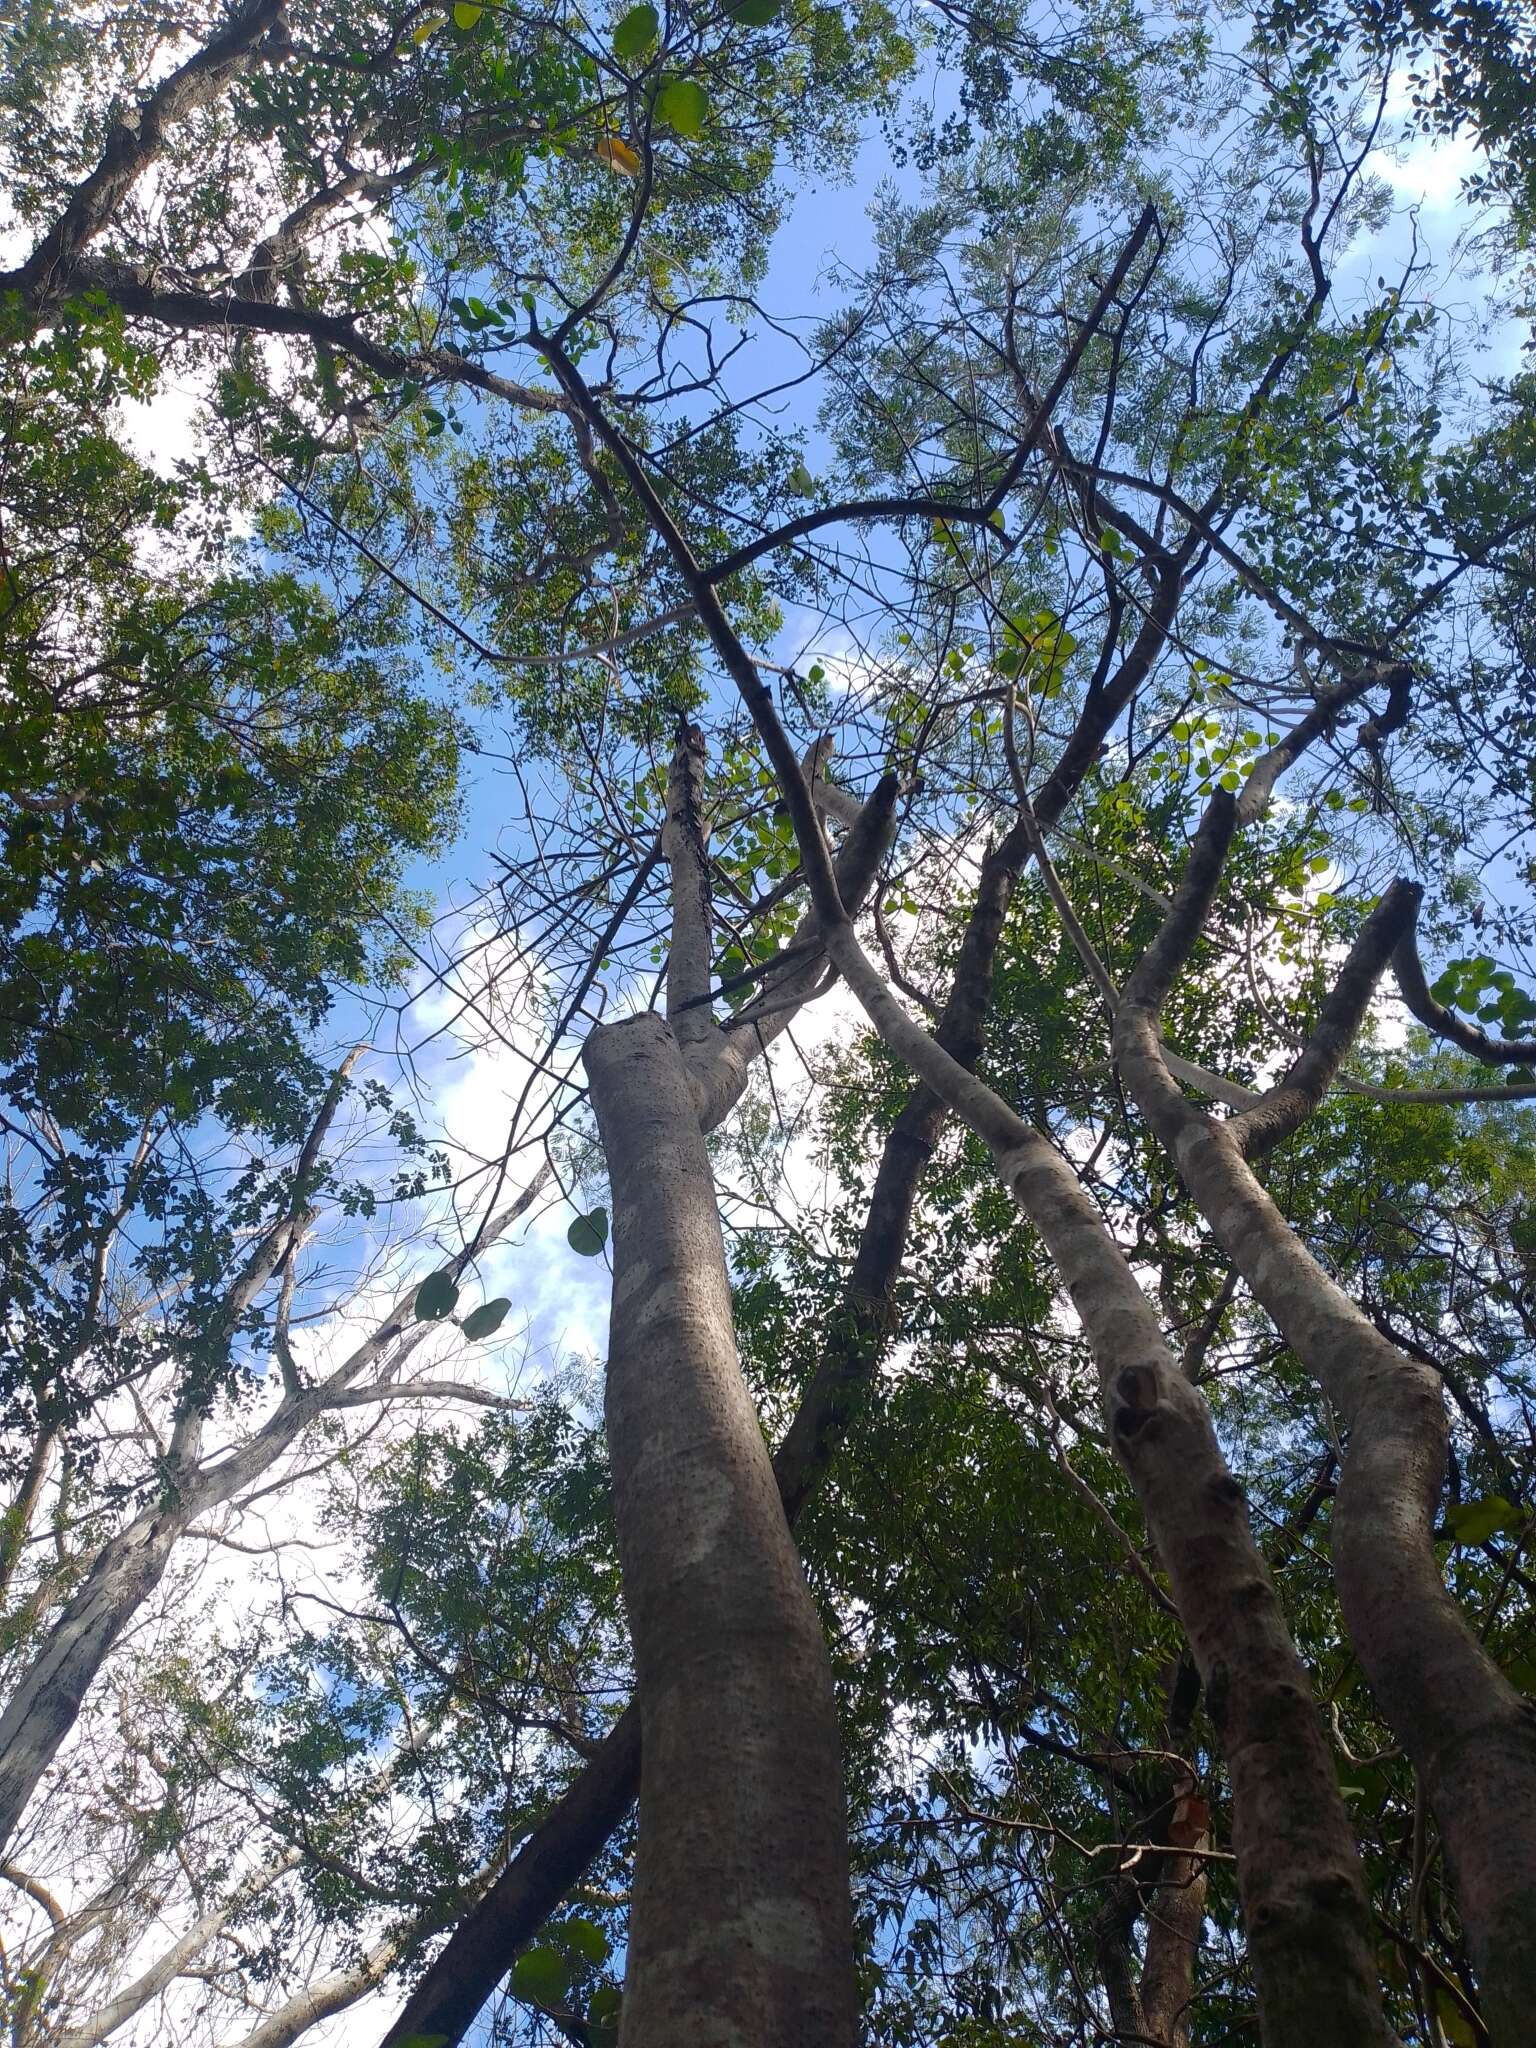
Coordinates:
[859,680]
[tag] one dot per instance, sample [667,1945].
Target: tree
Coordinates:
[1168,518]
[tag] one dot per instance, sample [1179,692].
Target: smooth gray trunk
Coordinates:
[741,1931]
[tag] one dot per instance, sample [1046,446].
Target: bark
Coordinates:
[1304,1899]
[17,1519]
[1444,1023]
[1304,1903]
[1174,1923]
[1470,1735]
[47,1701]
[135,141]
[1168,1885]
[1152,2006]
[444,2004]
[741,1928]
[685,841]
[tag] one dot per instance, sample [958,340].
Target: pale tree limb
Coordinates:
[1470,1734]
[46,1701]
[319,2001]
[423,1390]
[169,1965]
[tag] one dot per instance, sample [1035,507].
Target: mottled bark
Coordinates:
[1471,1736]
[1175,1919]
[136,138]
[1304,1900]
[740,1929]
[1304,1903]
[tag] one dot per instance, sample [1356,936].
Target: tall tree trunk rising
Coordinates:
[741,1928]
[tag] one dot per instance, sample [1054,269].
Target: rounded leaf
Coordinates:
[754,13]
[486,1320]
[465,14]
[588,1234]
[586,1938]
[543,1975]
[635,32]
[436,1296]
[603,2015]
[683,104]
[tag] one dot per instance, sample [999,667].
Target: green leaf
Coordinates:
[465,15]
[754,13]
[436,1296]
[542,1975]
[603,2015]
[419,34]
[588,1234]
[486,1320]
[1458,2030]
[683,104]
[635,32]
[800,483]
[586,1938]
[1474,1521]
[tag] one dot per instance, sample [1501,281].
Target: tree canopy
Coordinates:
[966,802]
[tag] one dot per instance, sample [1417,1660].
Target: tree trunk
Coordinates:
[44,1707]
[1470,1735]
[741,1930]
[1304,1902]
